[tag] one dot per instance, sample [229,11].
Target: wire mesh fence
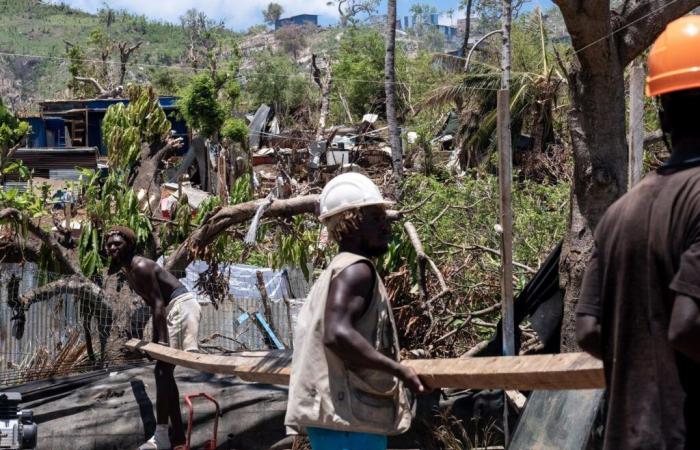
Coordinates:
[53,325]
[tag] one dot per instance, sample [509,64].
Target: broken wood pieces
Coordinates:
[524,373]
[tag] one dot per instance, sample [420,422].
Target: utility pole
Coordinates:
[505,177]
[636,121]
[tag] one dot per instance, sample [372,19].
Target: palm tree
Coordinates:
[467,26]
[390,88]
[533,97]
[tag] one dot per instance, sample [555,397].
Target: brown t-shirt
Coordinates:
[647,251]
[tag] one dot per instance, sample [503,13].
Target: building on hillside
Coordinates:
[433,20]
[448,31]
[301,19]
[78,123]
[67,134]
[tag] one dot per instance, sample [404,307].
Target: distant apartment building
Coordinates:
[431,20]
[301,19]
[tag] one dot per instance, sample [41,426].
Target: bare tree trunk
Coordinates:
[324,83]
[605,43]
[467,28]
[390,88]
[147,180]
[124,54]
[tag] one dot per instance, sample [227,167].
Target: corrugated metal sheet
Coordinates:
[224,328]
[64,174]
[43,160]
[20,186]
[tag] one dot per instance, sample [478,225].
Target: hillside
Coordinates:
[32,27]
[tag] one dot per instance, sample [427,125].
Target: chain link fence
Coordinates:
[52,325]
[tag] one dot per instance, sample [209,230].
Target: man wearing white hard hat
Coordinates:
[347,386]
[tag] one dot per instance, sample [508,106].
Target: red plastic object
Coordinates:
[211,443]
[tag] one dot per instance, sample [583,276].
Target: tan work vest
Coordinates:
[324,392]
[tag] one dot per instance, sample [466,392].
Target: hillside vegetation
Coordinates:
[42,30]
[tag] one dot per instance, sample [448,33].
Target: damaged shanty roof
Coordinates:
[57,163]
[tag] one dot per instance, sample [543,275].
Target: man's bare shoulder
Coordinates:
[357,278]
[142,265]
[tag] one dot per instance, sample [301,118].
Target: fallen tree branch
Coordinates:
[416,207]
[226,217]
[424,259]
[76,285]
[476,247]
[46,238]
[92,81]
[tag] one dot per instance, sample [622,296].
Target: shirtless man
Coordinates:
[176,315]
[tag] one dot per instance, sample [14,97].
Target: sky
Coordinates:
[241,14]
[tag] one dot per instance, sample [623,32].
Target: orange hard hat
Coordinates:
[674,60]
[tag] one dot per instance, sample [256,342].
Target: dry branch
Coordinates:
[62,256]
[76,285]
[424,259]
[232,215]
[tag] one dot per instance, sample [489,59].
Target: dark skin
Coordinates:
[155,285]
[351,293]
[676,115]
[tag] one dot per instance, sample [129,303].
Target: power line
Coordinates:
[382,82]
[249,72]
[625,26]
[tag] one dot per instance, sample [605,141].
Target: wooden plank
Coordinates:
[535,372]
[267,367]
[523,373]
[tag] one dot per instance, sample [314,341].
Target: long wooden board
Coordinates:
[536,372]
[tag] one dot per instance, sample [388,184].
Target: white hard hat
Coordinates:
[348,191]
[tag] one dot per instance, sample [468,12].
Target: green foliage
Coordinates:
[11,129]
[112,203]
[272,13]
[241,190]
[292,39]
[167,81]
[41,28]
[277,81]
[235,130]
[295,243]
[29,204]
[539,222]
[200,107]
[359,71]
[125,128]
[77,67]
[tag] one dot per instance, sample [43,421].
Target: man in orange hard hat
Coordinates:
[639,309]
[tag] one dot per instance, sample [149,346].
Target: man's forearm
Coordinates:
[684,328]
[588,335]
[160,325]
[354,349]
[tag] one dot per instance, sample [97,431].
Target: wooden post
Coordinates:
[505,177]
[68,213]
[636,123]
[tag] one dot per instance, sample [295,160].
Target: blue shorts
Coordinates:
[325,439]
